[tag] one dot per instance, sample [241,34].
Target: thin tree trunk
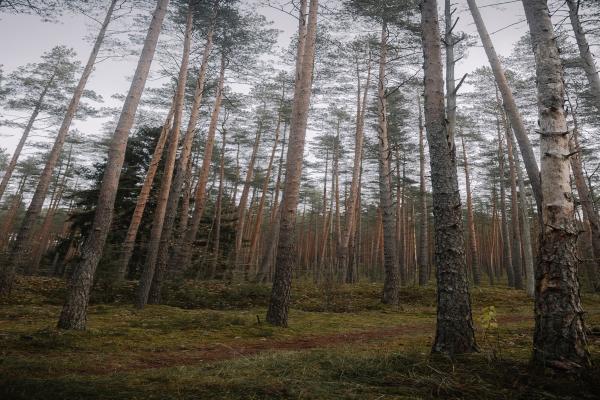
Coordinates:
[24,237]
[272,239]
[144,195]
[475,268]
[526,227]
[590,216]
[391,282]
[183,252]
[255,236]
[423,220]
[11,214]
[516,120]
[587,58]
[74,312]
[218,209]
[559,338]
[10,168]
[454,330]
[351,205]
[169,168]
[181,172]
[279,303]
[241,212]
[506,249]
[514,216]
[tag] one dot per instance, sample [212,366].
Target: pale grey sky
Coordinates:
[24,38]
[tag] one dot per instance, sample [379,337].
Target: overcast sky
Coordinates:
[24,38]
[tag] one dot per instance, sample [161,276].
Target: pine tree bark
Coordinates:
[24,241]
[454,330]
[391,284]
[559,338]
[169,168]
[74,312]
[279,303]
[516,120]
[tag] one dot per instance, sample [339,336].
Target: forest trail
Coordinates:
[231,351]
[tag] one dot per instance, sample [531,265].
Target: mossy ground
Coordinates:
[210,342]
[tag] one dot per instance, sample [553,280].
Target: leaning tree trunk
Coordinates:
[272,238]
[180,174]
[74,312]
[24,241]
[590,217]
[391,284]
[423,258]
[352,201]
[587,58]
[167,177]
[475,269]
[183,252]
[10,168]
[516,120]
[559,338]
[279,303]
[454,331]
[143,197]
[241,212]
[255,236]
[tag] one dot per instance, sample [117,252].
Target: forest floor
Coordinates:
[210,342]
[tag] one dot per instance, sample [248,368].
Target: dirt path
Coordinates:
[222,351]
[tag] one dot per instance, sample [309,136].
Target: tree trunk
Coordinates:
[169,168]
[526,226]
[506,249]
[24,238]
[587,58]
[351,205]
[279,303]
[181,172]
[255,236]
[516,120]
[218,209]
[10,168]
[183,252]
[74,312]
[476,271]
[514,216]
[241,212]
[559,338]
[454,331]
[11,214]
[423,220]
[391,282]
[272,239]
[143,196]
